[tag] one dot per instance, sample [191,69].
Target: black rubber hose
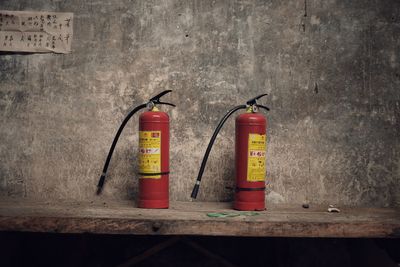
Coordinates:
[214,136]
[114,143]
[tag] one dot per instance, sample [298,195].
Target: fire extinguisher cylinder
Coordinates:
[153,154]
[249,159]
[250,149]
[153,159]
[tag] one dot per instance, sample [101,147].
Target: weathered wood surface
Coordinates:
[187,218]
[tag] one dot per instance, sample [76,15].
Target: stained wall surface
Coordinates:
[331,69]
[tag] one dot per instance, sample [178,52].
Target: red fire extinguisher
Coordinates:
[250,148]
[153,154]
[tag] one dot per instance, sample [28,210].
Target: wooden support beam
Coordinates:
[207,253]
[170,242]
[151,251]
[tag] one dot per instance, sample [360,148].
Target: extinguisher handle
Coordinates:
[264,107]
[253,101]
[157,97]
[165,103]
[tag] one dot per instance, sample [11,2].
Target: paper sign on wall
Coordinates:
[29,31]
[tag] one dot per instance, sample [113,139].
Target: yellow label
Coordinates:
[256,158]
[150,153]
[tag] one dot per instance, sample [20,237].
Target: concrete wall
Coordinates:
[331,69]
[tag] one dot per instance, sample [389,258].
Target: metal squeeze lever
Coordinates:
[250,103]
[253,102]
[156,99]
[150,104]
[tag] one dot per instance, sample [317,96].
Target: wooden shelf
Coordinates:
[190,218]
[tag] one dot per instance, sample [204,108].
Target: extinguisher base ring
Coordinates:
[153,204]
[195,191]
[238,189]
[152,174]
[249,206]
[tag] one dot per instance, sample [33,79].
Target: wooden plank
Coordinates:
[190,218]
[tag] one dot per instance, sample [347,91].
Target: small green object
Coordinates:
[222,214]
[251,213]
[231,214]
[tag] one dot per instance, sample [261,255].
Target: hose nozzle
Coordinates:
[195,190]
[101,183]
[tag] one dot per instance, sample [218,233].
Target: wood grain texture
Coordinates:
[187,218]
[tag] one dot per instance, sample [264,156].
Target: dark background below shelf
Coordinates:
[38,249]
